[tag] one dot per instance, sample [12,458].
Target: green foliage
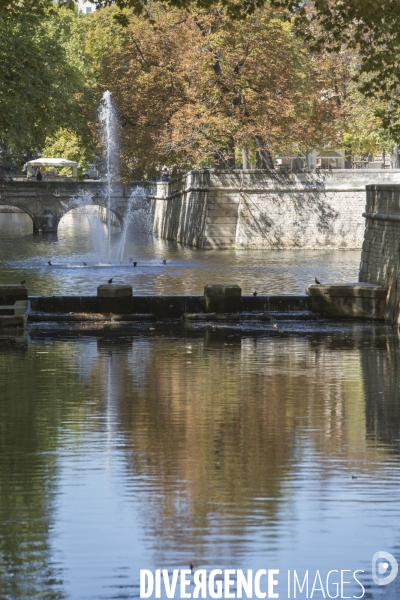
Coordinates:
[39,7]
[43,72]
[67,144]
[370,26]
[189,79]
[363,126]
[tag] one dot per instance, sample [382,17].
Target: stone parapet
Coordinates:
[168,307]
[110,290]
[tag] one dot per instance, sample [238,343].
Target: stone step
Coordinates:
[304,315]
[40,317]
[221,220]
[221,230]
[219,242]
[228,202]
[222,212]
[212,316]
[252,316]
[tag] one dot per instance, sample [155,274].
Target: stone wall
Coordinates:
[380,257]
[256,209]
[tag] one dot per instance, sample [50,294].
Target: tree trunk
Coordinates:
[394,157]
[348,157]
[264,158]
[224,158]
[394,153]
[245,158]
[219,160]
[230,154]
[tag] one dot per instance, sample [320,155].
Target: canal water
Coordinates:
[219,447]
[188,270]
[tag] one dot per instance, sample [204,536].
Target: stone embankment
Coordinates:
[380,257]
[377,295]
[257,209]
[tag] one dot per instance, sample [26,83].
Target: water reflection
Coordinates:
[217,449]
[30,417]
[383,417]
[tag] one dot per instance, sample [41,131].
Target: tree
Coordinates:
[371,26]
[197,87]
[41,77]
[66,143]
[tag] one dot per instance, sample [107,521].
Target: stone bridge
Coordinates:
[47,202]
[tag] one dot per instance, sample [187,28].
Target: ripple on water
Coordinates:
[23,255]
[273,452]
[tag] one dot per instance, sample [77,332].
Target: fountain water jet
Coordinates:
[137,210]
[95,225]
[109,121]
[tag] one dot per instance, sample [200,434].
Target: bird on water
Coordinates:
[164,262]
[49,263]
[254,294]
[84,264]
[317,282]
[110,280]
[135,264]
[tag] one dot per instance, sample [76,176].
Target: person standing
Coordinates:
[165,175]
[39,176]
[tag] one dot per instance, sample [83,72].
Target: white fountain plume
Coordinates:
[109,121]
[96,227]
[138,213]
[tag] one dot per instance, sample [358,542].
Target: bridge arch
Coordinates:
[118,218]
[24,209]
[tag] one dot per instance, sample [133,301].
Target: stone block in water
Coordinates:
[114,290]
[114,298]
[348,300]
[11,292]
[223,298]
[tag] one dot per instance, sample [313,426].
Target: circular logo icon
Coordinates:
[381,561]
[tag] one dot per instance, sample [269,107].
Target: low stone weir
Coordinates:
[91,308]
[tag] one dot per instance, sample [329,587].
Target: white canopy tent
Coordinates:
[53,162]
